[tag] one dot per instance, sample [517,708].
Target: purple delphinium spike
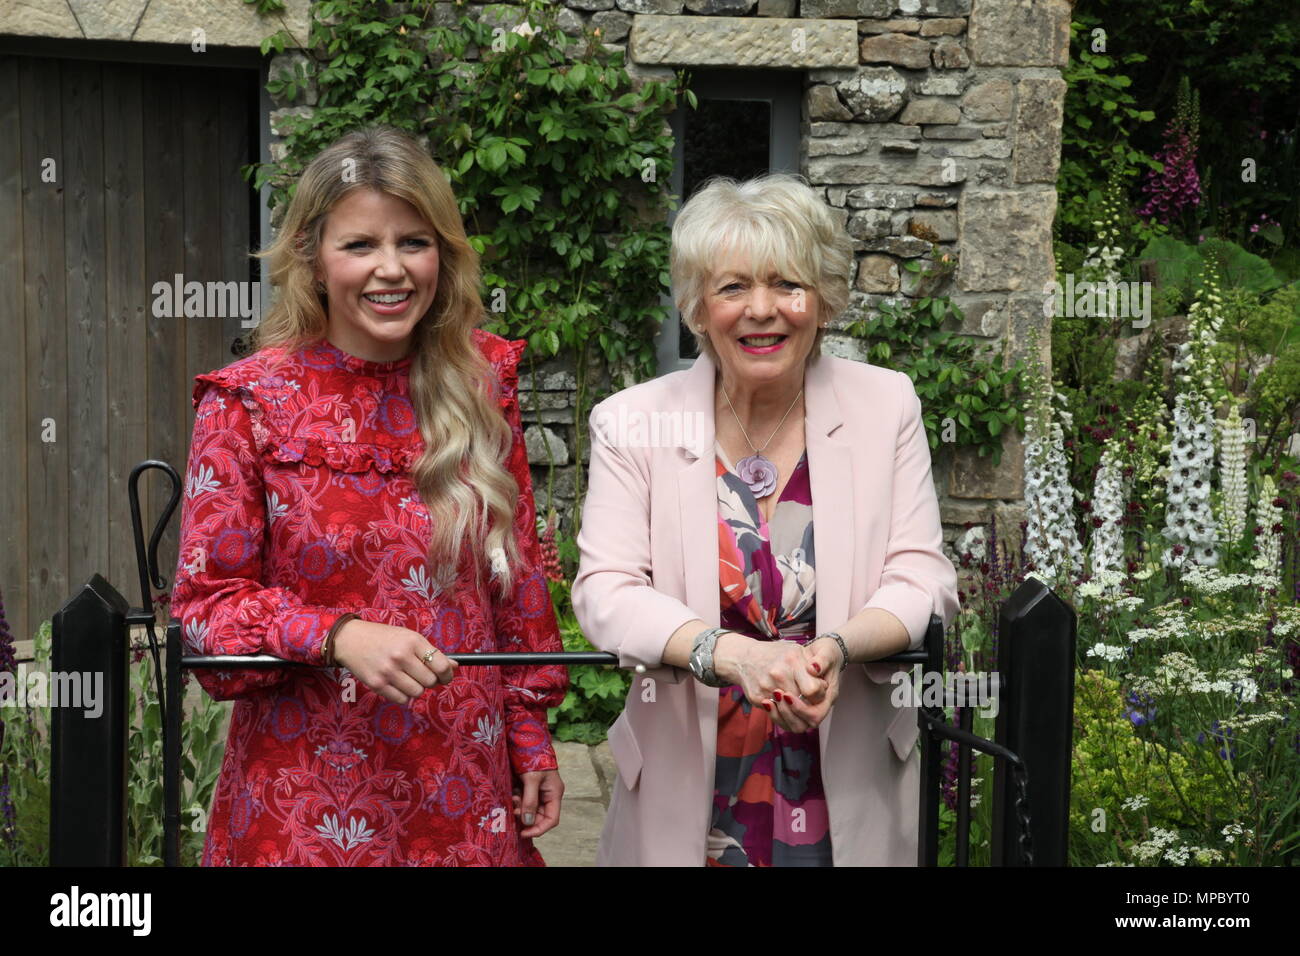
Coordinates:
[949,776]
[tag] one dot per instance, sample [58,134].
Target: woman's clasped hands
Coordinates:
[796,683]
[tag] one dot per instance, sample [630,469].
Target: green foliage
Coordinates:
[1258,350]
[1099,117]
[967,396]
[1083,367]
[266,7]
[1242,57]
[981,813]
[1255,352]
[1179,265]
[26,753]
[25,756]
[1259,354]
[203,744]
[1112,763]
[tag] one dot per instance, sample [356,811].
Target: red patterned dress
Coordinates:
[298,508]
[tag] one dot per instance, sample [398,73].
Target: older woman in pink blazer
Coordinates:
[757,529]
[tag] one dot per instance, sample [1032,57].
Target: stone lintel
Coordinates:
[793,44]
[224,24]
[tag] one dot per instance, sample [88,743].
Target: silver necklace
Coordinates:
[757,470]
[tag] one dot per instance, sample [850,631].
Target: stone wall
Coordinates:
[937,118]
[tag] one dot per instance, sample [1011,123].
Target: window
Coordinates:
[747,124]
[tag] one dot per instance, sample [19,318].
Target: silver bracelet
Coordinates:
[844,649]
[701,659]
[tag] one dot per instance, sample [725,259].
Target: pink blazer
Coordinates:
[649,563]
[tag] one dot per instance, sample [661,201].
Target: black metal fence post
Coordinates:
[1036,659]
[88,764]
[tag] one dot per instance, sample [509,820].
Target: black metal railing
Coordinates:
[1033,729]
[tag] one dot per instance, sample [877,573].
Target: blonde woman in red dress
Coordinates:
[358,498]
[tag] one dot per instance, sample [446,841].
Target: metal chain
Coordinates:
[1022,813]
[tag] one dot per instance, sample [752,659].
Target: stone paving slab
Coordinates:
[585,771]
[578,772]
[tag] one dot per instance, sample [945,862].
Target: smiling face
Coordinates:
[763,330]
[379,262]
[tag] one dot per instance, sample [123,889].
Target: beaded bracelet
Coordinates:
[844,649]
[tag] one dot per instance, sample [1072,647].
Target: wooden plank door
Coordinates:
[113,176]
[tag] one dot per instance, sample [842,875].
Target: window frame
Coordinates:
[783,91]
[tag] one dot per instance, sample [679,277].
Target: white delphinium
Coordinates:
[1189,520]
[1051,541]
[1108,500]
[1268,542]
[1232,475]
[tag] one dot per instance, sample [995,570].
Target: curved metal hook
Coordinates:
[149,571]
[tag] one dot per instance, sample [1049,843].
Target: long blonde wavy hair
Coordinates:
[461,476]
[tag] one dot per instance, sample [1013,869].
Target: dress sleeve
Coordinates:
[218,594]
[918,579]
[525,621]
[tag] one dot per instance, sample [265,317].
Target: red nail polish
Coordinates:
[767,706]
[817,668]
[776,695]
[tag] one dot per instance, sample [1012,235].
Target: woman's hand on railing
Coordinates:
[773,675]
[389,661]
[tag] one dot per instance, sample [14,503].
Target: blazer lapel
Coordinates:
[697,495]
[830,473]
[697,498]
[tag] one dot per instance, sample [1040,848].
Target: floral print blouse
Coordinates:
[769,806]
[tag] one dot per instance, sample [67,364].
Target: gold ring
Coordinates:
[427,658]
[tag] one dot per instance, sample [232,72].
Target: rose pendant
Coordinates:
[759,473]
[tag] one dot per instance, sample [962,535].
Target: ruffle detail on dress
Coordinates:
[347,456]
[229,378]
[504,356]
[352,457]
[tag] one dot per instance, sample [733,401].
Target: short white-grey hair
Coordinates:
[775,221]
